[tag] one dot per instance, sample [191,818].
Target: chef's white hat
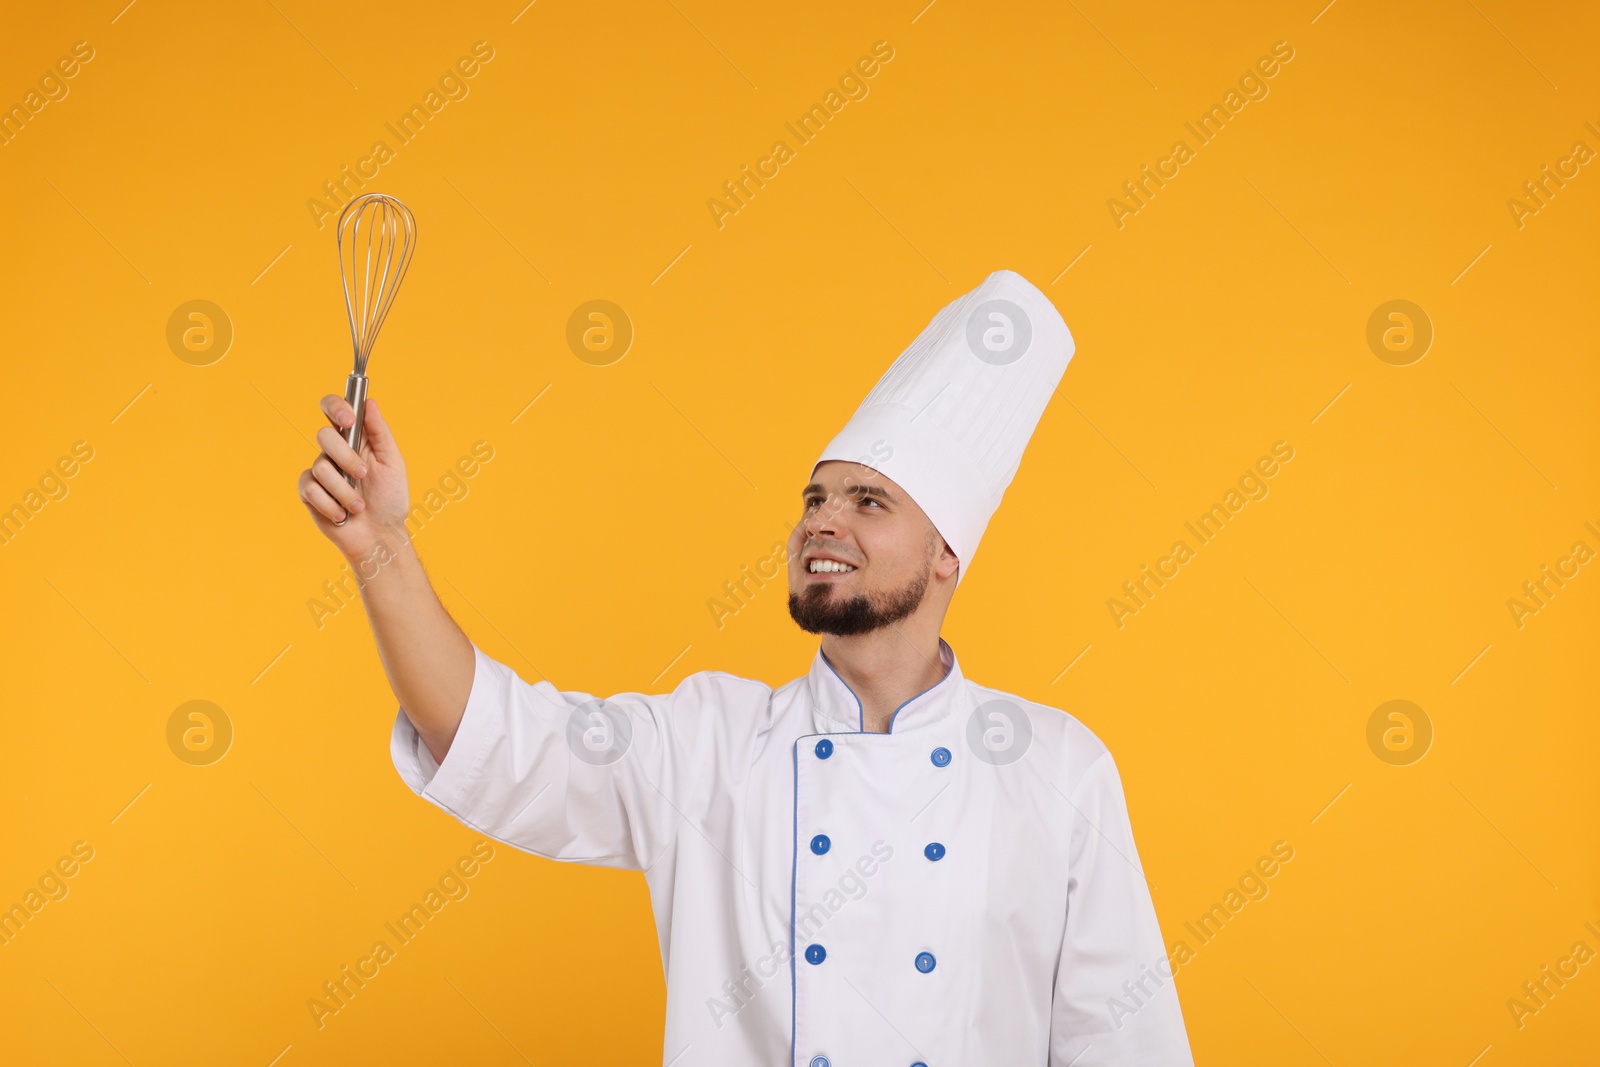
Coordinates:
[949,419]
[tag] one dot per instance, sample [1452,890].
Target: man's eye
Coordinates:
[814,501]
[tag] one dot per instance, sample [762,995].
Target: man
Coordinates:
[880,862]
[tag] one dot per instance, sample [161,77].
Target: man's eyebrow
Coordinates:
[854,489]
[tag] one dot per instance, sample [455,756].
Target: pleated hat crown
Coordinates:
[949,420]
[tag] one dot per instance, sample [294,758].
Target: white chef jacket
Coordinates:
[961,890]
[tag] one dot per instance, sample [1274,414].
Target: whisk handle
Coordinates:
[355,394]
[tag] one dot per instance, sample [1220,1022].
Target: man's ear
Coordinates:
[947,563]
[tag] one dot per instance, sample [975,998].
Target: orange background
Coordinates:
[1229,313]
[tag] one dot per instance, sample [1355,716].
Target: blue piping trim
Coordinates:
[861,713]
[794,847]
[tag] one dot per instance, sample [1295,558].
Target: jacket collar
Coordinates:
[835,708]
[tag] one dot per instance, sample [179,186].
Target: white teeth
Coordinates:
[827,566]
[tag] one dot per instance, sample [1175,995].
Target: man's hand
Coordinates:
[377,504]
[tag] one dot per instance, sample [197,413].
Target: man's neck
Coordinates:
[886,668]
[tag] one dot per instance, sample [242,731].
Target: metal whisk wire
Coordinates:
[377,235]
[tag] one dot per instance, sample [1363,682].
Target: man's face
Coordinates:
[863,554]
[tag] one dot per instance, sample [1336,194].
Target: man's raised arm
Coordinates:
[428,659]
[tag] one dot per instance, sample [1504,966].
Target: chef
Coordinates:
[879,863]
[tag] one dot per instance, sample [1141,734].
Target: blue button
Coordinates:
[925,960]
[825,749]
[820,844]
[816,954]
[822,1061]
[934,851]
[941,757]
[919,1063]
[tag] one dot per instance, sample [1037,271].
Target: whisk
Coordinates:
[376,238]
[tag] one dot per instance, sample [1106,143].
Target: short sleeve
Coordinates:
[1115,999]
[561,774]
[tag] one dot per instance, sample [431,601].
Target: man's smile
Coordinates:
[826,567]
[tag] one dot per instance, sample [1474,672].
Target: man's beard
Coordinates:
[817,611]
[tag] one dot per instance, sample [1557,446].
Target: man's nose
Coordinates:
[824,519]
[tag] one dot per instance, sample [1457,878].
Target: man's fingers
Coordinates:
[338,449]
[317,498]
[332,480]
[338,410]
